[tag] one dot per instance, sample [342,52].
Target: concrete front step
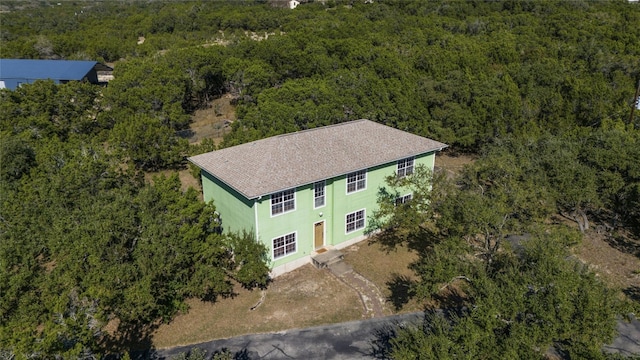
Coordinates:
[327,258]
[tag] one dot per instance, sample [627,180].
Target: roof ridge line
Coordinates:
[321,127]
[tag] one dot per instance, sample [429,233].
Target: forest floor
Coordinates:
[616,259]
[308,296]
[214,121]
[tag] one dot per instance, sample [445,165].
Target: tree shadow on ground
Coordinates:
[625,243]
[381,344]
[624,237]
[185,134]
[132,339]
[402,290]
[421,241]
[633,293]
[452,299]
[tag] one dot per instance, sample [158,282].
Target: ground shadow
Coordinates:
[382,338]
[633,293]
[625,243]
[134,339]
[185,134]
[390,239]
[620,235]
[197,353]
[452,299]
[402,290]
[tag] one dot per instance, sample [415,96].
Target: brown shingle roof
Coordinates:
[282,162]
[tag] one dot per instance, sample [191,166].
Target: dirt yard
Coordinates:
[212,122]
[302,298]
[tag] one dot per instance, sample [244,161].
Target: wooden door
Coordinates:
[318,234]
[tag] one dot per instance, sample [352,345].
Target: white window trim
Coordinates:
[413,166]
[356,190]
[283,212]
[364,219]
[324,194]
[273,248]
[403,197]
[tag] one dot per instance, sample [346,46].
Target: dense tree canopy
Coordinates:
[520,307]
[85,241]
[493,265]
[462,72]
[541,90]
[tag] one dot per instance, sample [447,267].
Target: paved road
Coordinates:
[351,340]
[628,340]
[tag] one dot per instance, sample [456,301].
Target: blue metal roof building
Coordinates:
[15,72]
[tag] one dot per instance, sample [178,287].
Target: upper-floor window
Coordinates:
[282,202]
[356,181]
[405,167]
[318,194]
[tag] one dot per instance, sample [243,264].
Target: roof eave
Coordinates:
[248,197]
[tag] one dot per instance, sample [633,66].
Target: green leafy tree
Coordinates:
[521,309]
[399,223]
[152,87]
[83,243]
[17,157]
[148,144]
[245,77]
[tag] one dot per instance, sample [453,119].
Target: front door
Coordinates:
[318,234]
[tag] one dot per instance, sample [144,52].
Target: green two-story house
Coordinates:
[309,190]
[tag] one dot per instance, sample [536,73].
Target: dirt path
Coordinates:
[372,300]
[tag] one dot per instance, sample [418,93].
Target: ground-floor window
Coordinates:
[284,245]
[355,221]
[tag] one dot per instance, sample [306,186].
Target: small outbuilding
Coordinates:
[15,72]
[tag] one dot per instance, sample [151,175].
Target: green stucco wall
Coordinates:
[238,213]
[337,205]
